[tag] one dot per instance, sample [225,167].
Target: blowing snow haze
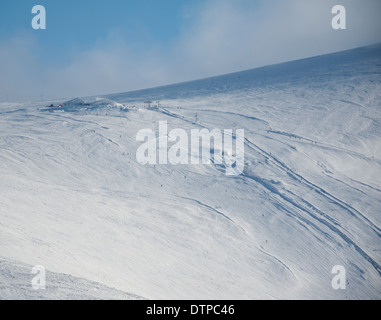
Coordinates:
[128,195]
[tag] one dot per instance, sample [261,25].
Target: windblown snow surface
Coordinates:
[74,199]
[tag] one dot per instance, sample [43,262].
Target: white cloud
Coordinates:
[230,35]
[226,36]
[110,66]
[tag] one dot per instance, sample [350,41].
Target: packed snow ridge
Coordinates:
[80,105]
[74,199]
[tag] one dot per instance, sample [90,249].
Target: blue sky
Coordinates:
[74,26]
[98,47]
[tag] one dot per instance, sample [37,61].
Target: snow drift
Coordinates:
[74,199]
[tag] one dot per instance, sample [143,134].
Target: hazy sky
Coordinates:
[98,47]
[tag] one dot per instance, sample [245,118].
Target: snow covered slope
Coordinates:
[74,199]
[16,284]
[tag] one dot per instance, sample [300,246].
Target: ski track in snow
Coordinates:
[331,223]
[73,197]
